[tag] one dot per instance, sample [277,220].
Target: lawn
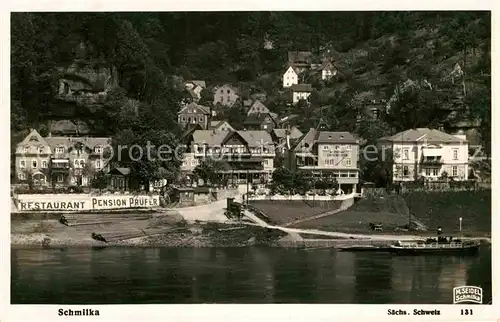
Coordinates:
[392,211]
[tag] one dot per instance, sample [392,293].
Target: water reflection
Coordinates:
[239,275]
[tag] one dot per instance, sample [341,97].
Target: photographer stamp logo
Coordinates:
[467,294]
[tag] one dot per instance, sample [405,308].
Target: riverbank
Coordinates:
[170,232]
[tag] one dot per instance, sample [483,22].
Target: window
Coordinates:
[222,91]
[60,178]
[348,162]
[98,164]
[337,147]
[26,149]
[435,172]
[427,171]
[98,149]
[22,164]
[34,164]
[348,147]
[406,172]
[201,118]
[228,91]
[406,154]
[45,164]
[22,176]
[60,149]
[454,171]
[326,147]
[455,154]
[183,118]
[193,162]
[40,149]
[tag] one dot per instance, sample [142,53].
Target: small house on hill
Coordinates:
[257,107]
[259,121]
[301,92]
[226,95]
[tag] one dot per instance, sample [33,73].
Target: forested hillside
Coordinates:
[375,54]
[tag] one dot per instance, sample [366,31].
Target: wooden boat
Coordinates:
[441,246]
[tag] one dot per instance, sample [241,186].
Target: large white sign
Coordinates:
[84,202]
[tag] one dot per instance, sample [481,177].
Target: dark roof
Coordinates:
[299,56]
[335,137]
[122,171]
[302,88]
[307,141]
[256,118]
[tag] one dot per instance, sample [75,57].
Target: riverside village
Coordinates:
[249,134]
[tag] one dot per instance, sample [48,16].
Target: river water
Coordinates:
[239,275]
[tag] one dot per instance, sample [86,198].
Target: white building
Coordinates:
[301,92]
[427,153]
[290,77]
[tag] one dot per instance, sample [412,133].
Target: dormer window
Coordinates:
[60,149]
[26,149]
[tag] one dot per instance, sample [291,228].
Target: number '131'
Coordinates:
[466,312]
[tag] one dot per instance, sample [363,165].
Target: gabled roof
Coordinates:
[209,137]
[68,142]
[302,88]
[216,124]
[217,138]
[205,110]
[34,138]
[256,138]
[258,104]
[305,143]
[300,56]
[293,68]
[228,86]
[423,135]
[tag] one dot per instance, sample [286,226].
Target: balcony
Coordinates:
[429,161]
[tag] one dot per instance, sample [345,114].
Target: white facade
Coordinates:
[327,74]
[429,160]
[297,96]
[290,78]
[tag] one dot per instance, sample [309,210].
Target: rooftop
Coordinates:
[423,135]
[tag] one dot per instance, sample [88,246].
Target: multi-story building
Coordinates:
[257,108]
[245,155]
[60,161]
[226,95]
[290,77]
[328,154]
[193,114]
[427,153]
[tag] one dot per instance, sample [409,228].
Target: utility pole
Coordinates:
[248,182]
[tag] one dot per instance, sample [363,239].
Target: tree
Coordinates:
[99,181]
[283,178]
[208,170]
